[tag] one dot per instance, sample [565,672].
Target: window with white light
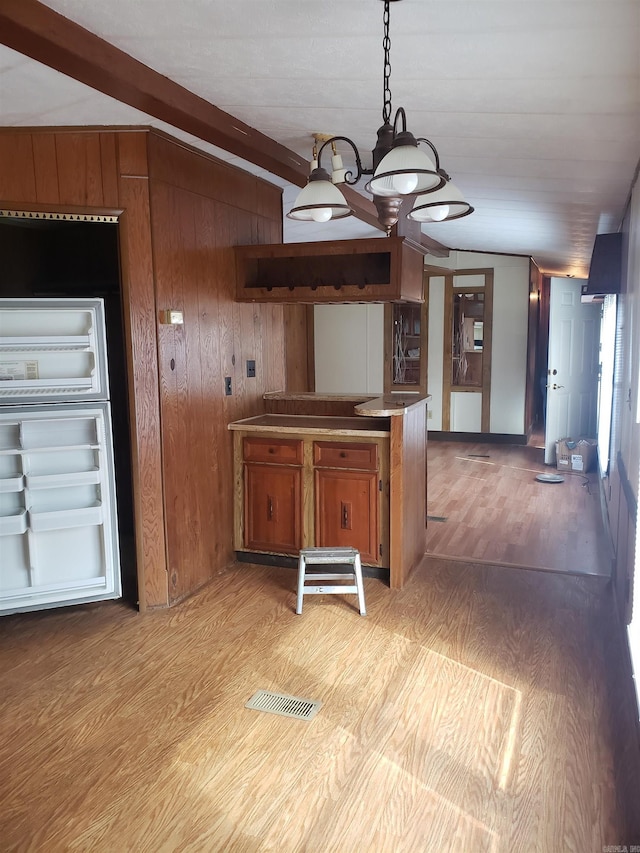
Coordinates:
[605,391]
[633,628]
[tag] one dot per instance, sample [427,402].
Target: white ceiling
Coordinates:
[534,106]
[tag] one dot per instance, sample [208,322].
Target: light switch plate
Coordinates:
[171,317]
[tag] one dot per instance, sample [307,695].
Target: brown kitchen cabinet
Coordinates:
[347,512]
[405,347]
[363,478]
[316,488]
[369,270]
[347,499]
[272,508]
[272,494]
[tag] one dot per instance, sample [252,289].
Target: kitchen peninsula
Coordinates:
[332,470]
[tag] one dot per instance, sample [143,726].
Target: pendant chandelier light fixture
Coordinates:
[400,169]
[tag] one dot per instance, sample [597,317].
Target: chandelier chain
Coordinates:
[386,46]
[399,168]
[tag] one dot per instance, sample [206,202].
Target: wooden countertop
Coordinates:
[365,405]
[391,405]
[313,395]
[317,424]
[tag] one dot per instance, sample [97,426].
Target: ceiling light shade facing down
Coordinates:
[320,200]
[406,169]
[441,206]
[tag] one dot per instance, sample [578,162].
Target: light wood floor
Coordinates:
[477,709]
[484,504]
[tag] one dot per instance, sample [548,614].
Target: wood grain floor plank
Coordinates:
[494,510]
[470,710]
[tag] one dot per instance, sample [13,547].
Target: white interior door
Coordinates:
[572,377]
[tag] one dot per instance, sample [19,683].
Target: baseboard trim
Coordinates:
[479,437]
[284,562]
[477,561]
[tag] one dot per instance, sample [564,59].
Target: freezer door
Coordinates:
[58,524]
[52,350]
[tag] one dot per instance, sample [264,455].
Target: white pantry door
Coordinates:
[572,377]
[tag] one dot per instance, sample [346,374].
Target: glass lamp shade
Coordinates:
[442,205]
[319,201]
[405,170]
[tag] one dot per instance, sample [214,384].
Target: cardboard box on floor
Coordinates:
[577,455]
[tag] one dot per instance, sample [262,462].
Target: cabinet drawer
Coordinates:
[334,454]
[283,451]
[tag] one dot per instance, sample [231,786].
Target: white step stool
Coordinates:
[328,557]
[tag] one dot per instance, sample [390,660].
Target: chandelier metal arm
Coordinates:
[400,114]
[348,179]
[441,171]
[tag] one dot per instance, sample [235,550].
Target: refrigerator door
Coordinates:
[58,526]
[52,350]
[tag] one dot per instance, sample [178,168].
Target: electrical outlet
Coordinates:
[429,414]
[227,386]
[251,368]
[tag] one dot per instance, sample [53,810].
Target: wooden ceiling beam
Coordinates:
[46,36]
[412,231]
[39,32]
[363,207]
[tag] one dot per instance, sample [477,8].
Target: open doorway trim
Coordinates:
[61,213]
[453,285]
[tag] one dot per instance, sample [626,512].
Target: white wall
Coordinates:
[630,413]
[509,347]
[626,440]
[466,412]
[349,344]
[349,348]
[435,353]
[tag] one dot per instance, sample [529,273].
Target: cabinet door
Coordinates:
[347,512]
[272,508]
[405,347]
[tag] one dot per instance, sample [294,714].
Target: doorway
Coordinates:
[572,368]
[466,379]
[75,258]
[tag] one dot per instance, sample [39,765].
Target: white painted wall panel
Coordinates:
[349,348]
[509,349]
[434,353]
[466,411]
[349,343]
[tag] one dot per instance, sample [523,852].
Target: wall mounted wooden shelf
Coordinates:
[372,270]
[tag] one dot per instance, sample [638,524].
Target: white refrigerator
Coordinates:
[58,523]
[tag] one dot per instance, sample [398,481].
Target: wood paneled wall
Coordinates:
[180,213]
[299,339]
[197,215]
[408,484]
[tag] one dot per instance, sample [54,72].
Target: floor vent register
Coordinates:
[285,706]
